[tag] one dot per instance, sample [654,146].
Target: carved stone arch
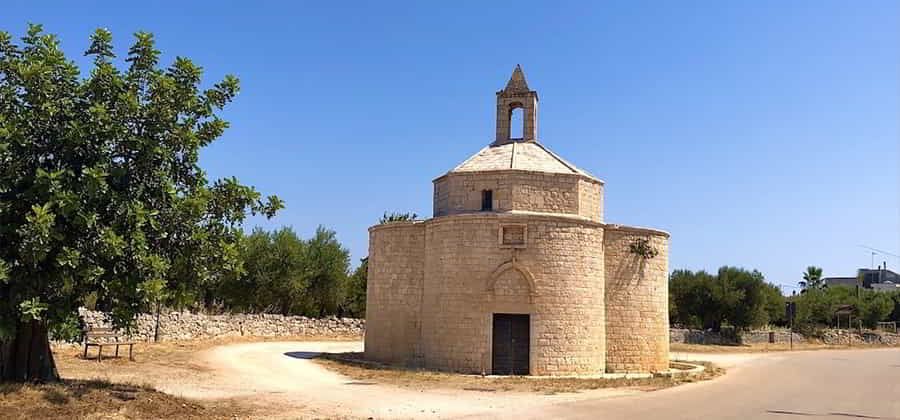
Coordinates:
[512,265]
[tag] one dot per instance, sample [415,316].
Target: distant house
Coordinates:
[880,279]
[840,281]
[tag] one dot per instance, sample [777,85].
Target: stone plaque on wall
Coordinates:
[513,235]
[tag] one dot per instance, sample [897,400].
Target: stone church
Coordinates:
[517,272]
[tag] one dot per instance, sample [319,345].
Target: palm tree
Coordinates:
[812,278]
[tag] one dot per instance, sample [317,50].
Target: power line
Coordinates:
[880,251]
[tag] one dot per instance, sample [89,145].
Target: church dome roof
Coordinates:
[519,155]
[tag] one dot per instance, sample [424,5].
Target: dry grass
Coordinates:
[352,365]
[74,399]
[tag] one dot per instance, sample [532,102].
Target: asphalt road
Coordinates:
[834,384]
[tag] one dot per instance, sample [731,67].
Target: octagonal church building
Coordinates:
[517,272]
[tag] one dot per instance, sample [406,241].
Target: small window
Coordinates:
[487,200]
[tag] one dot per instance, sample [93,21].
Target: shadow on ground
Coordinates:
[303,354]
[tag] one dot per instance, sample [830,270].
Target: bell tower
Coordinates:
[516,95]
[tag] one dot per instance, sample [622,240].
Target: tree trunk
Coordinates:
[27,356]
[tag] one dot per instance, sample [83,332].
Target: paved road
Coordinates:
[832,384]
[835,384]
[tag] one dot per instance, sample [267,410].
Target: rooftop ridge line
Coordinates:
[571,167]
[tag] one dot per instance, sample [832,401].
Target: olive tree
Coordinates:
[355,299]
[101,193]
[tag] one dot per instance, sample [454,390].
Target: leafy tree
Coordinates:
[749,308]
[876,308]
[101,195]
[733,296]
[273,279]
[774,304]
[287,282]
[895,314]
[812,278]
[355,299]
[285,274]
[697,303]
[326,265]
[817,307]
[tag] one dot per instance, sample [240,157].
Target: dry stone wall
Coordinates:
[191,326]
[828,336]
[844,337]
[779,336]
[689,336]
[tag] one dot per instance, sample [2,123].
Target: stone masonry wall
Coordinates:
[191,326]
[637,304]
[564,257]
[590,200]
[394,291]
[519,190]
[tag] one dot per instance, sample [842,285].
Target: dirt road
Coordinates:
[282,374]
[279,380]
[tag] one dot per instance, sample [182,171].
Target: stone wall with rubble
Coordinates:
[191,326]
[689,336]
[856,337]
[826,336]
[637,301]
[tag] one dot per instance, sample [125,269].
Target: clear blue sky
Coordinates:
[760,134]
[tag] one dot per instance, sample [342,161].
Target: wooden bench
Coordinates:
[99,337]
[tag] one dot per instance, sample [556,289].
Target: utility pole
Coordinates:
[791,333]
[791,312]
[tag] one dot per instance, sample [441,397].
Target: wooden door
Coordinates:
[510,352]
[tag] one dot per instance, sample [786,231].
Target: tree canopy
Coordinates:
[733,296]
[743,299]
[285,274]
[355,300]
[816,307]
[101,192]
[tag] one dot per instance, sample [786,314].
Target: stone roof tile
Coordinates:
[526,156]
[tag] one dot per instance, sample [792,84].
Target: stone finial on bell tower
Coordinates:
[514,96]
